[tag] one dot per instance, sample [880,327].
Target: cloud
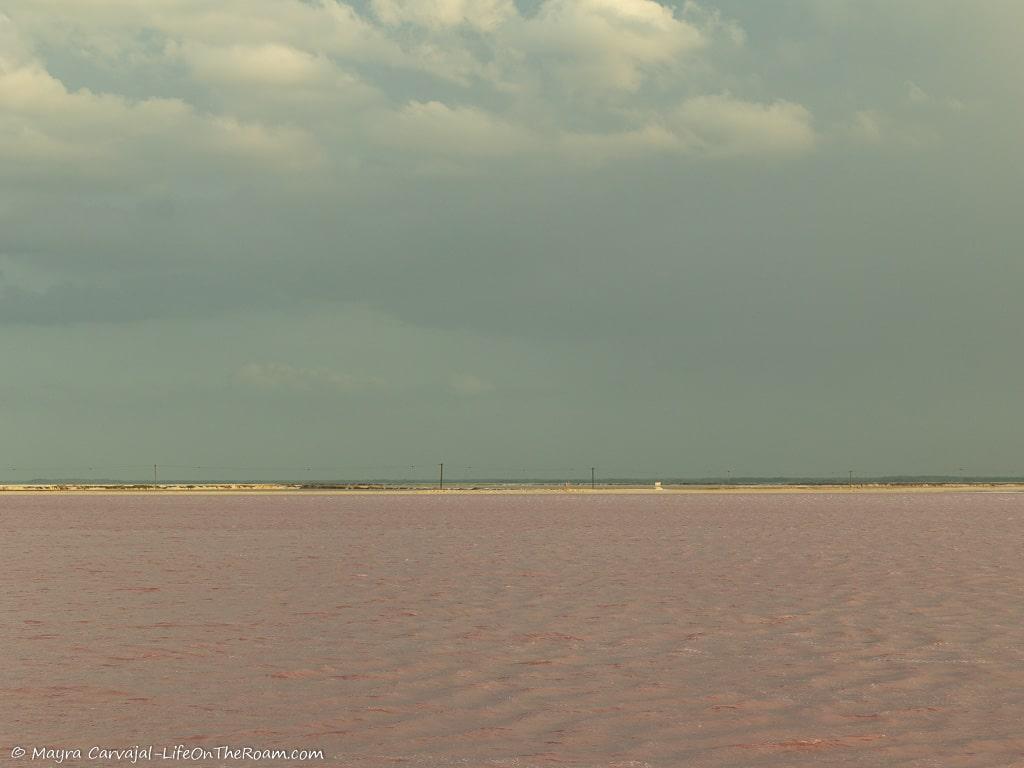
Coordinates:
[438,14]
[707,127]
[597,148]
[268,64]
[46,124]
[866,127]
[435,128]
[918,96]
[282,146]
[283,377]
[190,187]
[610,44]
[722,126]
[468,384]
[284,85]
[105,29]
[19,275]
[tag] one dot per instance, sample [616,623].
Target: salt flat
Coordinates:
[845,629]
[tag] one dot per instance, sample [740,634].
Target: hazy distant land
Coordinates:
[639,486]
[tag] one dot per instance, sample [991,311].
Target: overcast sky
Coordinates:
[663,239]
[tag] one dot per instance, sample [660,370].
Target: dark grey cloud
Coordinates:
[776,242]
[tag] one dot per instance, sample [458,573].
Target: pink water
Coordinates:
[661,630]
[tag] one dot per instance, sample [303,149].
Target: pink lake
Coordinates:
[518,630]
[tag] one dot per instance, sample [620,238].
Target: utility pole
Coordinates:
[851,478]
[154,474]
[592,478]
[440,483]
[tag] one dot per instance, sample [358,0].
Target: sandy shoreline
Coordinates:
[467,489]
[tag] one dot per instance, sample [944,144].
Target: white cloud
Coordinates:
[282,146]
[267,64]
[106,27]
[468,384]
[725,126]
[436,128]
[283,377]
[610,44]
[291,85]
[867,126]
[917,94]
[704,126]
[919,97]
[597,148]
[13,46]
[437,14]
[45,122]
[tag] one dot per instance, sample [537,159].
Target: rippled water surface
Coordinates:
[532,630]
